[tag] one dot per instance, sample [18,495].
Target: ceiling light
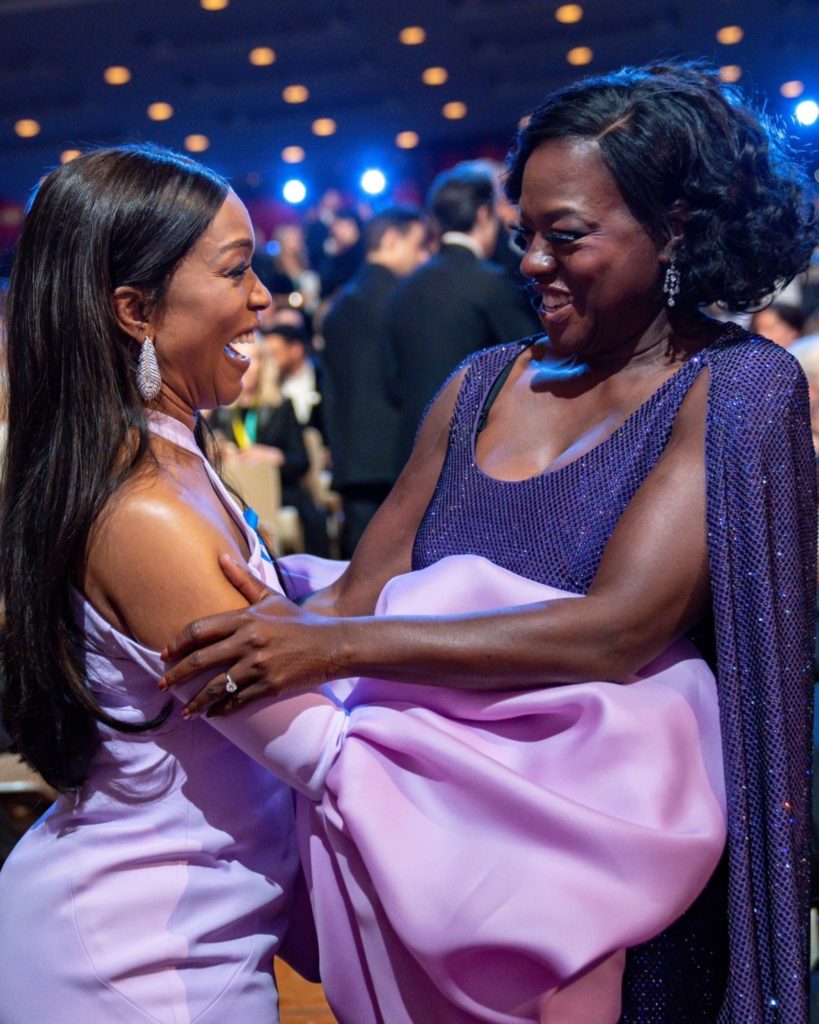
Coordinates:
[294,191]
[790,90]
[435,76]
[68,155]
[27,128]
[293,154]
[116,75]
[412,35]
[454,111]
[807,112]
[580,55]
[569,14]
[407,140]
[214,5]
[730,34]
[730,72]
[197,143]
[262,56]
[160,111]
[324,126]
[296,94]
[373,181]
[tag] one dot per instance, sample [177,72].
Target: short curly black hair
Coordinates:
[675,132]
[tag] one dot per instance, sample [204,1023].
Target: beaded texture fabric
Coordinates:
[762,547]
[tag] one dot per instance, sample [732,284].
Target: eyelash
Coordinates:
[521,238]
[240,271]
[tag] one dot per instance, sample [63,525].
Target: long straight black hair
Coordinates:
[77,425]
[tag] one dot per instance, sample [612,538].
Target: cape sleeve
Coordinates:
[762,544]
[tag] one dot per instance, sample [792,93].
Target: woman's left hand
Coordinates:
[270,649]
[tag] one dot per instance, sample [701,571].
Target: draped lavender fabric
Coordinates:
[761,533]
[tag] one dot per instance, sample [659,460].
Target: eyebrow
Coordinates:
[558,212]
[240,243]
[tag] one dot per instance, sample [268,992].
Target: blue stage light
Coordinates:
[807,112]
[373,181]
[294,191]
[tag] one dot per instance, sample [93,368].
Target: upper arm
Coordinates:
[385,550]
[652,584]
[153,563]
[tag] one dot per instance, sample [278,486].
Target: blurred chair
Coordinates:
[259,484]
[317,482]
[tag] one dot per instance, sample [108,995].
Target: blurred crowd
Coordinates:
[371,310]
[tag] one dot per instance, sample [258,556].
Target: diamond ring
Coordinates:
[230,686]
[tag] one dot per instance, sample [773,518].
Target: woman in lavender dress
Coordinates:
[653,465]
[146,893]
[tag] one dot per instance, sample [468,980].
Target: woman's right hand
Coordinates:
[270,649]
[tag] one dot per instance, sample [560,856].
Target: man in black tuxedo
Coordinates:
[456,303]
[361,424]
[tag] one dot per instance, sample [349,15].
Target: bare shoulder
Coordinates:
[152,562]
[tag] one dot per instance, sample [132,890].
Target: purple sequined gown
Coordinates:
[761,527]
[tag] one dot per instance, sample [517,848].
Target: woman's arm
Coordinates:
[651,586]
[385,550]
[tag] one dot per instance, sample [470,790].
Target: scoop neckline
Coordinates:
[695,360]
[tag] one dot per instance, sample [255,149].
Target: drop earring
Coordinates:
[148,381]
[671,281]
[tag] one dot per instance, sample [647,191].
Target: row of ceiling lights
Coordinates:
[411,35]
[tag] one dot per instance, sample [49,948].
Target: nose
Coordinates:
[260,297]
[538,259]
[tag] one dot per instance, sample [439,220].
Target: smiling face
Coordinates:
[596,269]
[212,301]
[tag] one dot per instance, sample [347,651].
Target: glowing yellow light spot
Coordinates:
[455,110]
[27,128]
[68,155]
[790,90]
[196,143]
[293,154]
[262,56]
[117,75]
[569,14]
[407,140]
[579,55]
[214,5]
[730,72]
[296,94]
[324,126]
[730,34]
[295,300]
[435,76]
[412,35]
[160,111]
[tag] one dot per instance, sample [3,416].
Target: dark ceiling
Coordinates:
[501,55]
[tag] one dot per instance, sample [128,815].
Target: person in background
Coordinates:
[454,304]
[780,322]
[362,425]
[289,346]
[262,426]
[343,251]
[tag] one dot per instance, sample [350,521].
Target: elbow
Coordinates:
[617,656]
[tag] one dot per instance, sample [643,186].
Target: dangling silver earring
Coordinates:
[671,282]
[148,381]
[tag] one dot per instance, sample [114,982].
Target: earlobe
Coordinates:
[129,308]
[678,214]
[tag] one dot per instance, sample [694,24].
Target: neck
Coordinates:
[665,339]
[172,405]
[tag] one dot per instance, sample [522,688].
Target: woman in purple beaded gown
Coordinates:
[655,467]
